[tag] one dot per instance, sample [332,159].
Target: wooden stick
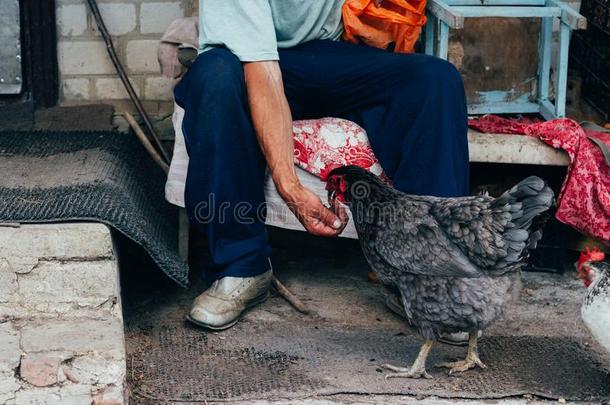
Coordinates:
[125,79]
[144,140]
[288,296]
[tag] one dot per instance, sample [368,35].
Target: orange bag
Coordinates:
[394,21]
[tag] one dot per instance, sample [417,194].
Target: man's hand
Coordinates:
[273,125]
[315,217]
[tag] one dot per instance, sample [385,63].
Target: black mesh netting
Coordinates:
[289,359]
[90,176]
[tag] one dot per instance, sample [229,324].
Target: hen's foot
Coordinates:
[472,358]
[417,370]
[463,365]
[404,372]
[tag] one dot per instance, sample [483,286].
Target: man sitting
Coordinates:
[263,63]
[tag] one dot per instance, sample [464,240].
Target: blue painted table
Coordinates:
[446,14]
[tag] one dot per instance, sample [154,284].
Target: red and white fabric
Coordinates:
[584,201]
[324,144]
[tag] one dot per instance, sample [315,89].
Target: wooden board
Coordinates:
[498,60]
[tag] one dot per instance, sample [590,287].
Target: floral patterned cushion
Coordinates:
[319,146]
[327,143]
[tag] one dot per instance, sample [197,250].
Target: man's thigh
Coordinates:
[336,78]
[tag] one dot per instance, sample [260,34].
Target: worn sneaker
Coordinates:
[222,305]
[392,301]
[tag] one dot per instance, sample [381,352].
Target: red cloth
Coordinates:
[584,201]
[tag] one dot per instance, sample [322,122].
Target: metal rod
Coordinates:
[123,76]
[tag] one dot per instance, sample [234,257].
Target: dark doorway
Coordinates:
[29,48]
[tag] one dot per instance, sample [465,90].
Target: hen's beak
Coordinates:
[332,194]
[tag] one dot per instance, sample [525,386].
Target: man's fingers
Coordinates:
[317,218]
[341,213]
[323,222]
[328,217]
[339,210]
[319,229]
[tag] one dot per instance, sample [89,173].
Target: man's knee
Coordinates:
[216,72]
[440,71]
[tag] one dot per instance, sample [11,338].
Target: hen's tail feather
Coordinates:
[531,197]
[527,200]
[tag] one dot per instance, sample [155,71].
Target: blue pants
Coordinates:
[412,107]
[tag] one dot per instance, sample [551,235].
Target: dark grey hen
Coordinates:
[452,259]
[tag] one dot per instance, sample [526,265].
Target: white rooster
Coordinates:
[595,311]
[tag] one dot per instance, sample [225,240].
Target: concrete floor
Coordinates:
[330,276]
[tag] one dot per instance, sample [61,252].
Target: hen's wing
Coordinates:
[408,238]
[480,228]
[494,232]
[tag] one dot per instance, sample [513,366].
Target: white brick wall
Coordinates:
[107,88]
[120,18]
[72,19]
[83,58]
[141,56]
[86,73]
[155,17]
[158,88]
[76,89]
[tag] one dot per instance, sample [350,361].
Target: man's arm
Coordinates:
[272,122]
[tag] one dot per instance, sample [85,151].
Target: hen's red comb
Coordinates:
[590,255]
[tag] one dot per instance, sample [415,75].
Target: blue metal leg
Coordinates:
[443,41]
[430,34]
[562,71]
[544,68]
[544,58]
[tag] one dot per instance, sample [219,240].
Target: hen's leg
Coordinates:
[472,358]
[417,370]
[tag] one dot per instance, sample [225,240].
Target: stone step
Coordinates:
[57,268]
[64,241]
[61,324]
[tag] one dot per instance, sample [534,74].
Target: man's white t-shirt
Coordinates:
[253,30]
